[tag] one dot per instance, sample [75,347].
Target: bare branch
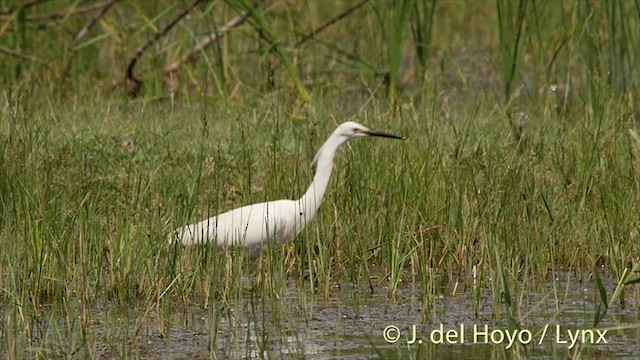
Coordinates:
[64,14]
[19,55]
[171,68]
[330,22]
[135,81]
[25,5]
[85,30]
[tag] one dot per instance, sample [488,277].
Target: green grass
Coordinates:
[85,219]
[503,188]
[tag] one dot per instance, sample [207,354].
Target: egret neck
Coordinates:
[312,198]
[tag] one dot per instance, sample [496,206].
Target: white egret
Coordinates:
[274,222]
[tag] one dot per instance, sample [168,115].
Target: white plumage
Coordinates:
[274,222]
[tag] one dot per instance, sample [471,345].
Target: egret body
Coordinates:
[274,222]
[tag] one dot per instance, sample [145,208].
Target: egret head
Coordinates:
[346,132]
[351,130]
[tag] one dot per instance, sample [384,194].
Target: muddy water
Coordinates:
[355,324]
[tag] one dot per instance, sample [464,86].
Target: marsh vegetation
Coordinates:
[514,202]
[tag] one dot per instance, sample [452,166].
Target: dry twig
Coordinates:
[85,30]
[64,14]
[19,55]
[25,5]
[136,82]
[330,22]
[169,72]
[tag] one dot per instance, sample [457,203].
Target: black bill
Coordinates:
[384,134]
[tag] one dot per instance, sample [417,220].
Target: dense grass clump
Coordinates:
[89,196]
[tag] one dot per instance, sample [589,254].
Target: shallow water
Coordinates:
[351,324]
[355,324]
